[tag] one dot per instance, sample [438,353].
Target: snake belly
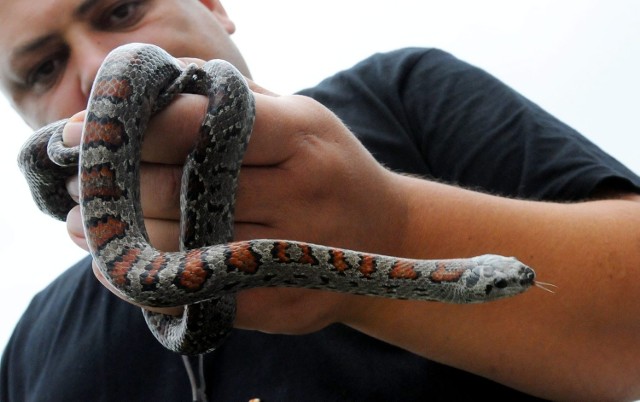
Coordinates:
[134,82]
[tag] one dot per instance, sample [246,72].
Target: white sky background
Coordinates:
[578,59]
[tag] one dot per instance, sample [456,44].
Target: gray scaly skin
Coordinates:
[134,82]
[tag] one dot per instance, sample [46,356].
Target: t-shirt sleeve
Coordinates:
[428,113]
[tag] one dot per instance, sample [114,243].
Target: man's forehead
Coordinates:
[18,25]
[26,22]
[30,26]
[27,27]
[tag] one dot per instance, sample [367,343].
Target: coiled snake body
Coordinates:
[136,81]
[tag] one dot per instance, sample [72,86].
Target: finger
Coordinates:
[172,132]
[185,61]
[283,125]
[75,228]
[260,195]
[160,200]
[163,234]
[259,89]
[72,131]
[159,190]
[160,186]
[73,188]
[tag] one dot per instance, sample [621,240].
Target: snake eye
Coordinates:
[500,283]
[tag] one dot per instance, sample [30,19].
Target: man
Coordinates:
[306,177]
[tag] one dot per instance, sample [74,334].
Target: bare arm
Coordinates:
[580,343]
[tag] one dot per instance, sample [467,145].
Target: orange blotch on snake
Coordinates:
[280,251]
[307,255]
[403,269]
[240,257]
[100,182]
[442,274]
[157,264]
[113,88]
[367,265]
[121,268]
[102,231]
[108,133]
[194,273]
[338,261]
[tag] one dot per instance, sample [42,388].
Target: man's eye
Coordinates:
[122,15]
[122,12]
[46,73]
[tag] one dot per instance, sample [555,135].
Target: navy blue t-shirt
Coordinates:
[418,111]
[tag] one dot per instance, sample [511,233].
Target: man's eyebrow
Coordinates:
[33,46]
[44,41]
[84,7]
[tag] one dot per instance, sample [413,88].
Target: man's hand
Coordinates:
[304,177]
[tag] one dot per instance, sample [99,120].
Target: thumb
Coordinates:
[258,89]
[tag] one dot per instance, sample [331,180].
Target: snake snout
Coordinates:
[522,276]
[528,276]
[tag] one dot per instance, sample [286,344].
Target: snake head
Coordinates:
[495,277]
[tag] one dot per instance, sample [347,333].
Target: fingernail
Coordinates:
[78,117]
[73,188]
[72,131]
[74,223]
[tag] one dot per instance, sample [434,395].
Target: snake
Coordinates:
[134,82]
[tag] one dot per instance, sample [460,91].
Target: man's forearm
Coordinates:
[581,342]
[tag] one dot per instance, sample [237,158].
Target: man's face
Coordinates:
[52,49]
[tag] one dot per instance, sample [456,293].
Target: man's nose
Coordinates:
[89,61]
[88,53]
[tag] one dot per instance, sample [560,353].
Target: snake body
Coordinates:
[134,82]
